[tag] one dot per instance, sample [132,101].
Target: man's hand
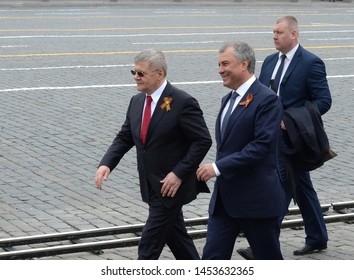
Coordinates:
[102,173]
[205,172]
[170,185]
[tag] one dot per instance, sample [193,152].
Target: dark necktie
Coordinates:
[228,113]
[276,82]
[146,118]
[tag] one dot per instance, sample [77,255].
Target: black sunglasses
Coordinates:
[139,73]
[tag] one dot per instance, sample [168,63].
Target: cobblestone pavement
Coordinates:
[65,86]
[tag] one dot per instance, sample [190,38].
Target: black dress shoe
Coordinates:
[309,249]
[246,253]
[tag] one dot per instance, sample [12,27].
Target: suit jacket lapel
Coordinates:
[292,65]
[271,65]
[224,101]
[137,115]
[158,112]
[234,116]
[239,109]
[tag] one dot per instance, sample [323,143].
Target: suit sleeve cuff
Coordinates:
[216,170]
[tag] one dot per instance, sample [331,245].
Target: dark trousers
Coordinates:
[311,212]
[165,226]
[308,203]
[261,234]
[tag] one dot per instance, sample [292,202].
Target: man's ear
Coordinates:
[245,64]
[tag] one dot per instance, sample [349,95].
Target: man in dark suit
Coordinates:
[302,78]
[248,195]
[169,148]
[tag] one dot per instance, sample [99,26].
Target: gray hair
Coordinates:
[243,52]
[155,57]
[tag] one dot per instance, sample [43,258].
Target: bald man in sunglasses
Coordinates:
[167,127]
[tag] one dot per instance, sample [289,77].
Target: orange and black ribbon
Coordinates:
[248,100]
[167,104]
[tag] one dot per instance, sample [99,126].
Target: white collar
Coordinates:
[156,95]
[245,86]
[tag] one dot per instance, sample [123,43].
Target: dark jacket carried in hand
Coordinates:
[306,142]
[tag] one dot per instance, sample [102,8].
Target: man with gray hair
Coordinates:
[167,127]
[248,195]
